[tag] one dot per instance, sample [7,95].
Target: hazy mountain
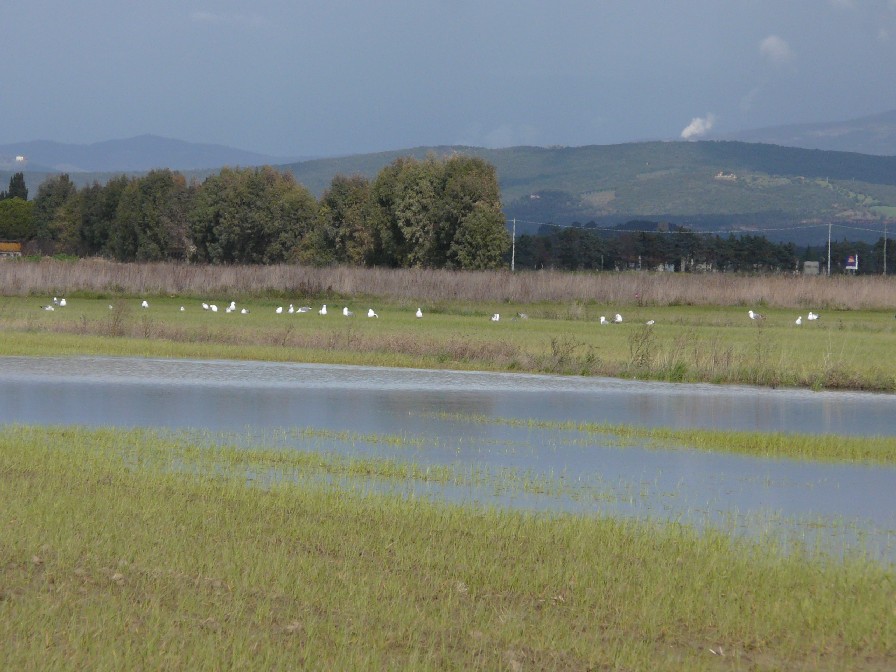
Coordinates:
[142,153]
[868,135]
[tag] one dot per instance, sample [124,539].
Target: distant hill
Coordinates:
[139,154]
[785,193]
[867,135]
[703,185]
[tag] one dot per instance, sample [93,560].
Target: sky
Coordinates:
[292,78]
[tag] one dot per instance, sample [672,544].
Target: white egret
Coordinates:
[419,313]
[323,310]
[370,313]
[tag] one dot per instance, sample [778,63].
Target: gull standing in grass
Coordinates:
[347,312]
[419,313]
[279,309]
[63,303]
[370,313]
[812,316]
[244,311]
[323,310]
[204,306]
[755,316]
[49,306]
[604,320]
[617,319]
[145,304]
[798,320]
[304,309]
[496,317]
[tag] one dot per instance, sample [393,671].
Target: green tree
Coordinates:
[99,207]
[55,213]
[16,219]
[151,219]
[255,216]
[17,188]
[344,232]
[481,240]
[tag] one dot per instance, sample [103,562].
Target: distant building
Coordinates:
[20,158]
[726,176]
[10,249]
[810,268]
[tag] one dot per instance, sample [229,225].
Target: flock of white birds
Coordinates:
[496,317]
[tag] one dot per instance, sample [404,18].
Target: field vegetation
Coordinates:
[701,330]
[151,551]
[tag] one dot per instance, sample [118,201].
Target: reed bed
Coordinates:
[128,549]
[414,286]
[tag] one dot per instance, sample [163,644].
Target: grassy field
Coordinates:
[844,349]
[130,549]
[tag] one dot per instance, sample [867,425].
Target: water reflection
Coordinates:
[432,413]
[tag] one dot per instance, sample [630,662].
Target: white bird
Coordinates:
[650,323]
[213,307]
[291,309]
[370,313]
[617,319]
[798,320]
[496,317]
[48,307]
[110,306]
[229,309]
[55,300]
[419,313]
[522,316]
[323,310]
[347,312]
[304,309]
[244,311]
[182,309]
[232,305]
[604,320]
[145,304]
[755,316]
[279,310]
[204,306]
[62,302]
[812,316]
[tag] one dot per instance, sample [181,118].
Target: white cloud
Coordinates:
[698,126]
[775,50]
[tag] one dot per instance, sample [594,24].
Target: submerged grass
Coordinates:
[113,554]
[821,447]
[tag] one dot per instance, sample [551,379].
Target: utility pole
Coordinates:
[885,247]
[513,248]
[829,249]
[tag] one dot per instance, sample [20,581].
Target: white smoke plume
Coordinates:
[698,126]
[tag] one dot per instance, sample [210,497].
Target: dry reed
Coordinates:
[100,277]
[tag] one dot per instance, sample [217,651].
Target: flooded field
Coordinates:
[475,424]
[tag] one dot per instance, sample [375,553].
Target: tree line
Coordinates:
[435,213]
[657,246]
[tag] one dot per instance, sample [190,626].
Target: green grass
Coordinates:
[135,550]
[844,350]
